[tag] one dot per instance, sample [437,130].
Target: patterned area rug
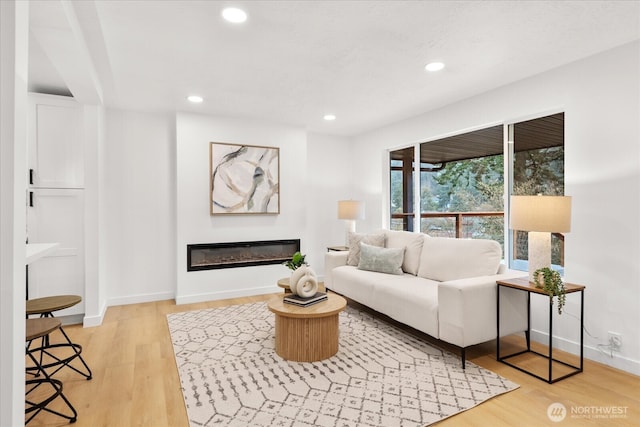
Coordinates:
[381,376]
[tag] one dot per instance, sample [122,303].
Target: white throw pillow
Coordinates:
[412,244]
[382,260]
[354,245]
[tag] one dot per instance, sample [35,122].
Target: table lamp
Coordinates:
[540,216]
[350,211]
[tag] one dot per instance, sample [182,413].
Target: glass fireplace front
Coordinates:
[211,256]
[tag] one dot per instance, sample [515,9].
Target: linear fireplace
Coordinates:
[212,256]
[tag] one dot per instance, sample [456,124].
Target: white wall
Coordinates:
[95,290]
[330,178]
[156,179]
[14,39]
[196,225]
[600,96]
[140,206]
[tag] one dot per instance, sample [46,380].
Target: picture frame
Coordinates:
[243,179]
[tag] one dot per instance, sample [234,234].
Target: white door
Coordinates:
[57,216]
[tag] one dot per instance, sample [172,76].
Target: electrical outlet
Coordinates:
[615,341]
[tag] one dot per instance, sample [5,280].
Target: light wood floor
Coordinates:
[135,380]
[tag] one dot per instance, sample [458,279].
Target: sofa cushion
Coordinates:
[411,300]
[382,260]
[408,299]
[445,258]
[412,244]
[355,284]
[354,245]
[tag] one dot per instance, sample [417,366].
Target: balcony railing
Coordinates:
[458,218]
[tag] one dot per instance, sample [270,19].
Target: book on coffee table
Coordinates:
[303,302]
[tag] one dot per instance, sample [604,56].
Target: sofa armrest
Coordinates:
[332,260]
[467,309]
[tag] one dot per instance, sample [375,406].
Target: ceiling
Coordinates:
[294,61]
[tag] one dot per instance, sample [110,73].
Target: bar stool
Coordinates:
[40,328]
[45,307]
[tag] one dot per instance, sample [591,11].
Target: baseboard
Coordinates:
[213,296]
[91,321]
[590,352]
[71,319]
[140,298]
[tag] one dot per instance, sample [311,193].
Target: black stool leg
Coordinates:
[37,407]
[77,350]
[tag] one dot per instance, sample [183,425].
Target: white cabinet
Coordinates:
[57,216]
[56,149]
[56,197]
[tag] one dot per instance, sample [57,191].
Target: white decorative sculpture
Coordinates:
[303,282]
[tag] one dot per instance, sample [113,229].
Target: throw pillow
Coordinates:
[382,260]
[354,245]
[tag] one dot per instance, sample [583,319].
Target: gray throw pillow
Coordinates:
[382,260]
[354,245]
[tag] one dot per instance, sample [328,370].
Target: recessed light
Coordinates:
[329,117]
[235,15]
[434,66]
[195,99]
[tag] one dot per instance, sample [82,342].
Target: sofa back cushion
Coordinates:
[412,244]
[444,259]
[354,245]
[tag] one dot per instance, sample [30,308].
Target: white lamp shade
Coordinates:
[350,209]
[541,213]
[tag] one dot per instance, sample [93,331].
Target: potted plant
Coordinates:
[550,281]
[296,261]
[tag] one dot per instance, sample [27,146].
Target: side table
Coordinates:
[284,284]
[524,285]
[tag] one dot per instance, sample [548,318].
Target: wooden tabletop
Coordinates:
[523,284]
[333,305]
[284,283]
[51,304]
[36,328]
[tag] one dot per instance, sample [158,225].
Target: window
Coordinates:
[462,185]
[462,182]
[401,189]
[537,168]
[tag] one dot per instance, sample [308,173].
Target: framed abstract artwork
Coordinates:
[244,179]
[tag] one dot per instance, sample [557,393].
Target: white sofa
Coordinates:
[446,287]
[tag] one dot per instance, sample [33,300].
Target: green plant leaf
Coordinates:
[296,261]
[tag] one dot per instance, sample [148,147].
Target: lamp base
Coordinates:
[350,227]
[539,252]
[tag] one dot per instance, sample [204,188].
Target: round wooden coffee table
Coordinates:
[307,334]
